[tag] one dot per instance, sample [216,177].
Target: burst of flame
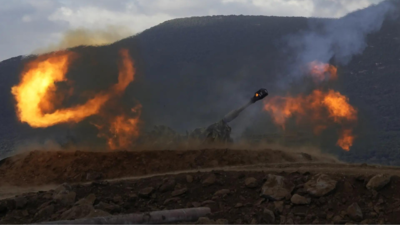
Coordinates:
[319,108]
[346,139]
[123,130]
[33,93]
[36,103]
[322,71]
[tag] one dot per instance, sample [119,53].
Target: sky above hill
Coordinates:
[34,26]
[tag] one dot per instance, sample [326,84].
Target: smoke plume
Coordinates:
[338,39]
[88,37]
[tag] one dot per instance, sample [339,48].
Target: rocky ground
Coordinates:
[283,193]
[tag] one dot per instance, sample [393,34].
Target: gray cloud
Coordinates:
[31,24]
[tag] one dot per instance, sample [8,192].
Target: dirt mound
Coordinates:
[52,167]
[232,196]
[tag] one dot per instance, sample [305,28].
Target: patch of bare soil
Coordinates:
[55,167]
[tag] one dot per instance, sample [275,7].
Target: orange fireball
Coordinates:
[36,103]
[319,108]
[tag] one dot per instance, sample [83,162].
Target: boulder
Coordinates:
[168,185]
[97,213]
[77,212]
[88,200]
[64,197]
[277,188]
[210,180]
[117,199]
[108,207]
[189,178]
[205,220]
[268,216]
[300,200]
[278,205]
[354,212]
[337,219]
[320,185]
[45,212]
[146,192]
[222,192]
[378,182]
[176,199]
[179,192]
[251,182]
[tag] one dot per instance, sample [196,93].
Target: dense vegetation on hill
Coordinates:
[192,71]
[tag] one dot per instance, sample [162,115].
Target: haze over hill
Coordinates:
[192,71]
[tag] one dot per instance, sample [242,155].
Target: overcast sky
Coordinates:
[28,25]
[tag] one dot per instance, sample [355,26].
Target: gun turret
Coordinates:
[259,95]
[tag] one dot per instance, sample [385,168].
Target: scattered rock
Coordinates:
[189,178]
[117,199]
[205,220]
[88,200]
[222,192]
[146,192]
[277,187]
[300,200]
[77,212]
[378,208]
[20,202]
[179,192]
[251,182]
[210,180]
[111,208]
[132,197]
[367,221]
[208,202]
[354,212]
[64,197]
[221,221]
[94,176]
[278,206]
[329,215]
[168,185]
[337,219]
[97,213]
[316,221]
[63,187]
[258,202]
[45,212]
[378,182]
[238,205]
[254,221]
[196,204]
[269,216]
[171,200]
[320,185]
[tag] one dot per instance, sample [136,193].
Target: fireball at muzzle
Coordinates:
[38,103]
